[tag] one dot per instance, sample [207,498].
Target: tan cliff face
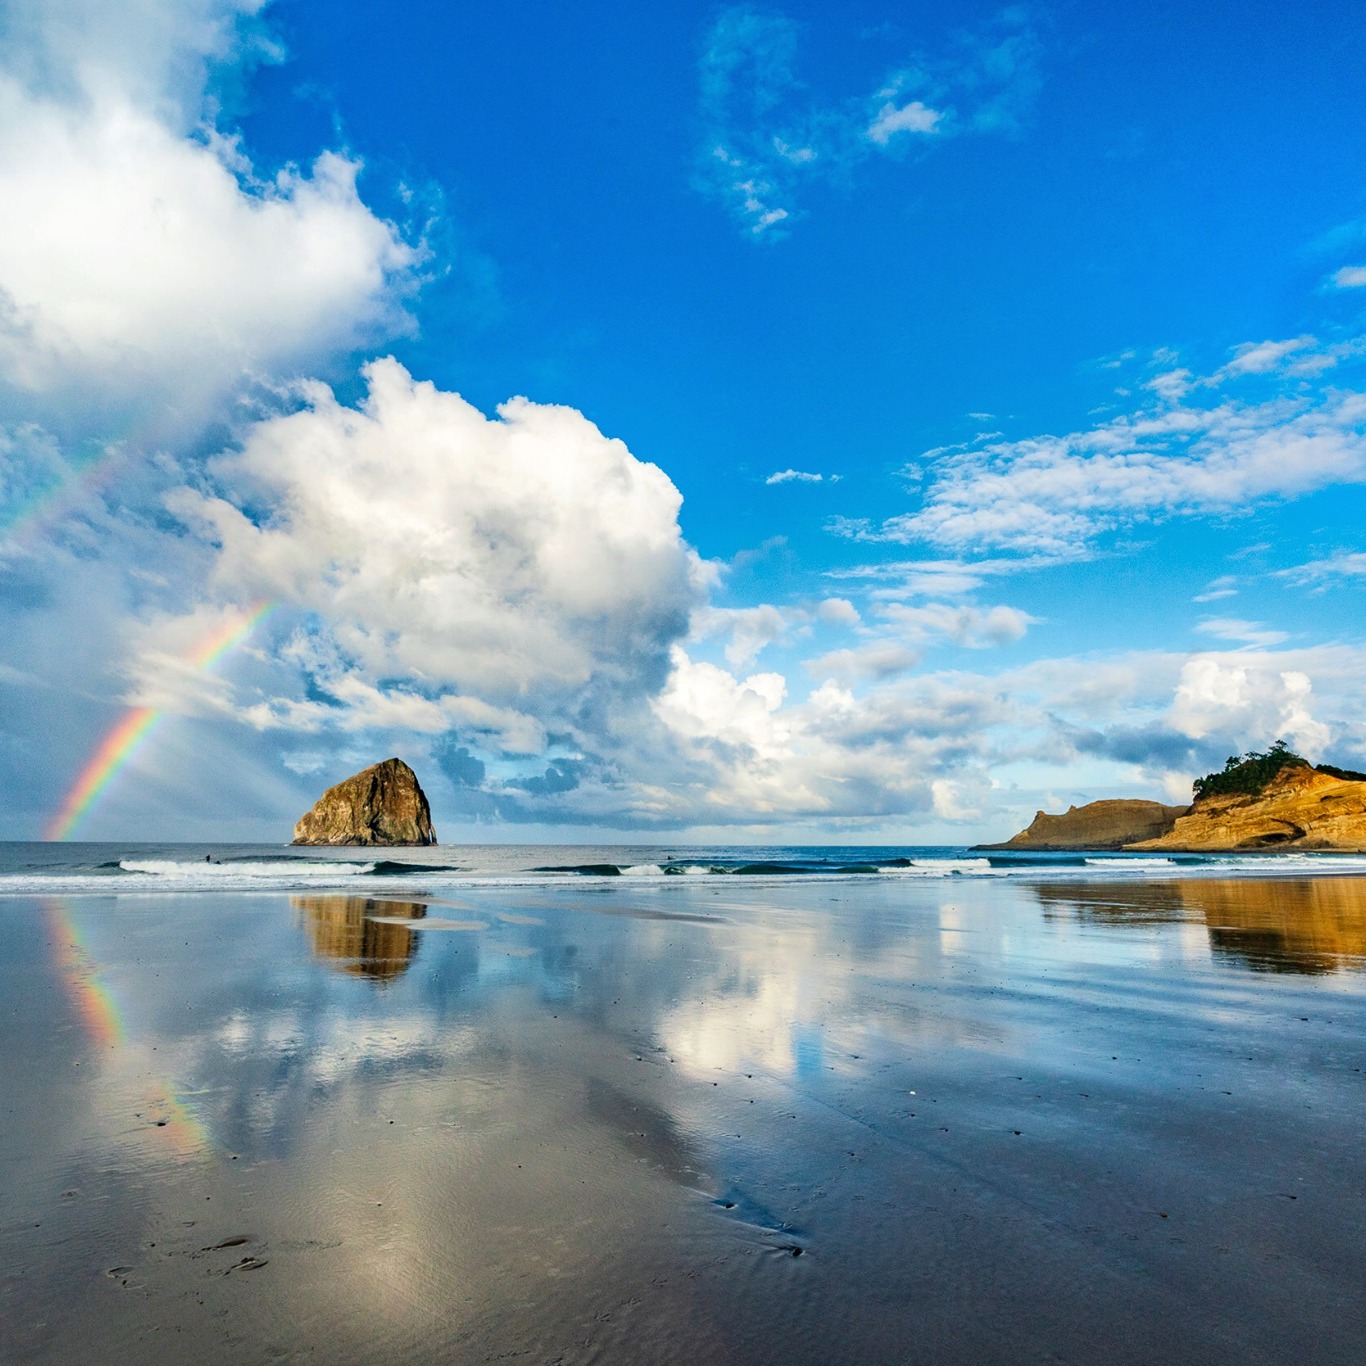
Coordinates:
[1110,824]
[1300,808]
[382,804]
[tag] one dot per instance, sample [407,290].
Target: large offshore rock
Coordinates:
[1110,824]
[1300,808]
[382,804]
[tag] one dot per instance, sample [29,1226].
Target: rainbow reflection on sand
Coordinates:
[94,1005]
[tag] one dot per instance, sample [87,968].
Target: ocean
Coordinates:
[680,1105]
[74,868]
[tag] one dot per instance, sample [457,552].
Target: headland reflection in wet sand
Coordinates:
[836,1122]
[1308,925]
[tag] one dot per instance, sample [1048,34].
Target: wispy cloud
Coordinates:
[1345,565]
[750,629]
[914,117]
[898,579]
[1241,632]
[1260,358]
[1225,586]
[1350,277]
[801,477]
[1204,445]
[974,627]
[766,135]
[873,663]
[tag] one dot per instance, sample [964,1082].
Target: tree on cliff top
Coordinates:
[1252,772]
[1249,774]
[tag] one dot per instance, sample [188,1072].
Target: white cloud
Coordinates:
[1259,698]
[867,663]
[751,629]
[1317,573]
[926,578]
[964,625]
[526,567]
[1350,277]
[766,136]
[1258,358]
[914,117]
[1244,632]
[948,801]
[704,702]
[1053,496]
[873,742]
[799,476]
[165,674]
[838,612]
[756,759]
[159,52]
[1225,586]
[165,266]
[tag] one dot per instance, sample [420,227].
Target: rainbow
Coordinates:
[119,745]
[22,521]
[102,1021]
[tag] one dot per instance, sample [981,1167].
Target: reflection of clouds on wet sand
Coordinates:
[751,1011]
[788,993]
[614,1126]
[1297,925]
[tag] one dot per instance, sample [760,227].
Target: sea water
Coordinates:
[77,868]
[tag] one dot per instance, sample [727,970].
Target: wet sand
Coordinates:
[842,1122]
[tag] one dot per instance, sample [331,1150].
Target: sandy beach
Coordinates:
[845,1121]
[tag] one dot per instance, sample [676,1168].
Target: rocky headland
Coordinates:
[1300,808]
[1110,824]
[1276,800]
[382,804]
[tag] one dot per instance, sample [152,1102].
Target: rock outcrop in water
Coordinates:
[382,804]
[1111,824]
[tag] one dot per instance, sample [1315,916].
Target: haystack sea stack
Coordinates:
[382,804]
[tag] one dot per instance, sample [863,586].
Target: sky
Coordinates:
[802,423]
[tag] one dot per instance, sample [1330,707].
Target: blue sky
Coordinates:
[800,423]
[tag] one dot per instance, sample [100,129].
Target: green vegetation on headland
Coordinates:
[1253,772]
[1266,800]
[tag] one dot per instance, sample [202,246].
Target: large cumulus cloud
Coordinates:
[146,265]
[515,575]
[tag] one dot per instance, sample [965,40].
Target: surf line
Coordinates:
[102,1021]
[127,735]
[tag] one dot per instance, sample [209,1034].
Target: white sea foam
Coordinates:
[1122,863]
[945,867]
[288,869]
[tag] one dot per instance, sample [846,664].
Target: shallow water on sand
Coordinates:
[856,1121]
